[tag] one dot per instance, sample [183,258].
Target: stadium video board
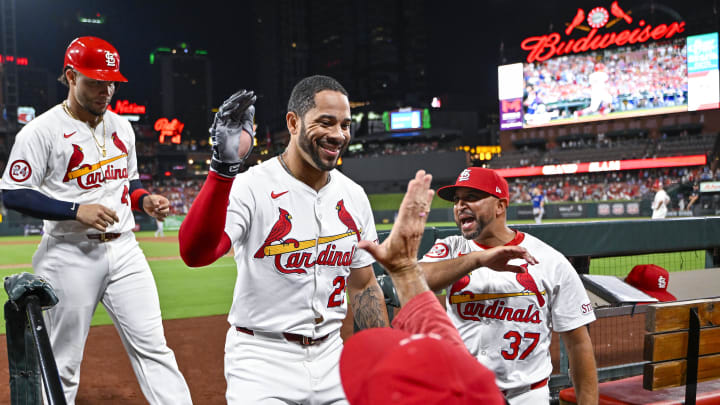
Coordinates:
[406,120]
[566,81]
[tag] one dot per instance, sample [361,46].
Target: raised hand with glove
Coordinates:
[232,133]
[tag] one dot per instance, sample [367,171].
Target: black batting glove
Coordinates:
[232,133]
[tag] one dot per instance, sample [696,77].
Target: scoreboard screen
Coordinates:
[673,75]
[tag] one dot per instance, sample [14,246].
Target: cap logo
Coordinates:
[465,175]
[110,59]
[419,336]
[497,190]
[662,282]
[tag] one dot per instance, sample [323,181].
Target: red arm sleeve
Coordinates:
[202,234]
[424,314]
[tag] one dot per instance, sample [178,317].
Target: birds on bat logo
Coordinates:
[91,175]
[477,307]
[525,279]
[283,225]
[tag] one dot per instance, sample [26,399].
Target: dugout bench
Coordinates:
[682,354]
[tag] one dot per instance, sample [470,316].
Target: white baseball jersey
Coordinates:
[294,249]
[506,319]
[57,156]
[660,203]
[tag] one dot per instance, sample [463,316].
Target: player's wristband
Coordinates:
[228,170]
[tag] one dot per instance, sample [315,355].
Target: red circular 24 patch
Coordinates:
[20,171]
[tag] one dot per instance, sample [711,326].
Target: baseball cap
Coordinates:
[94,58]
[477,178]
[391,366]
[652,280]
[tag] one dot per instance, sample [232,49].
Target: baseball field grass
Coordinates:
[184,292]
[187,292]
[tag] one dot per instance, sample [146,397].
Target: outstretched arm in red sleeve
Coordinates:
[202,234]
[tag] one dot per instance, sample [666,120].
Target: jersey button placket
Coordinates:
[315,298]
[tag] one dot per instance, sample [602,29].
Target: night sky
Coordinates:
[463,48]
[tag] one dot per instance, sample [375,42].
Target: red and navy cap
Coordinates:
[477,178]
[652,280]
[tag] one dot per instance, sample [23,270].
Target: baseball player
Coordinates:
[294,223]
[75,167]
[506,318]
[422,359]
[160,224]
[600,97]
[660,201]
[538,204]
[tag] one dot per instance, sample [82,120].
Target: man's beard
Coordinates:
[84,104]
[479,226]
[474,234]
[312,149]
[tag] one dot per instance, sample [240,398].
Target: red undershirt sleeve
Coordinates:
[202,234]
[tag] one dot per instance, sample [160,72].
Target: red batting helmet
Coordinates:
[95,58]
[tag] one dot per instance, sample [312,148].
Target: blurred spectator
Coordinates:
[693,196]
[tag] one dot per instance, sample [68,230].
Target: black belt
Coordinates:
[103,237]
[290,337]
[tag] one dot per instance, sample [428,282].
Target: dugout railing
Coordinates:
[613,248]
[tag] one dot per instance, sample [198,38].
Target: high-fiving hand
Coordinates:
[232,133]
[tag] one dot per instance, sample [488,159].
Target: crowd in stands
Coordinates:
[603,147]
[618,185]
[375,149]
[180,193]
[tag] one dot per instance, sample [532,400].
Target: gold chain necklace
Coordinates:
[101,148]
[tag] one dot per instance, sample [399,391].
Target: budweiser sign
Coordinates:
[544,47]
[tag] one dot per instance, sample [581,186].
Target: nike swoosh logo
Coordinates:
[69,135]
[276,195]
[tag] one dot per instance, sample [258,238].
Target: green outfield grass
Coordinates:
[184,292]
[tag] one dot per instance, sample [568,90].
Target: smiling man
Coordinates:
[294,223]
[506,318]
